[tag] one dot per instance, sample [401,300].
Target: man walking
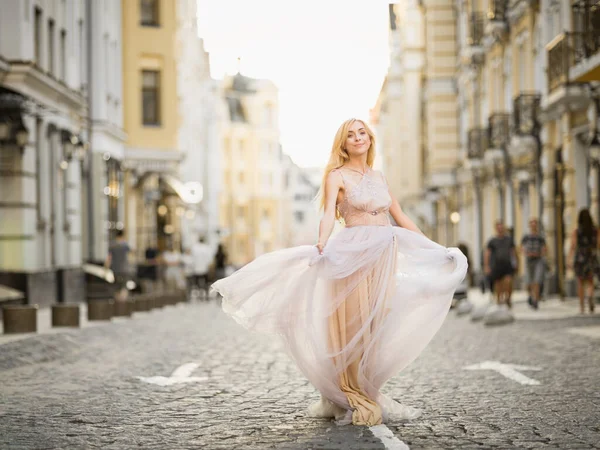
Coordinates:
[202,256]
[500,263]
[533,246]
[118,261]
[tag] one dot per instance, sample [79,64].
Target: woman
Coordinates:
[362,305]
[583,257]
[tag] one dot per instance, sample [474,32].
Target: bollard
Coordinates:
[142,303]
[100,309]
[19,318]
[65,315]
[123,308]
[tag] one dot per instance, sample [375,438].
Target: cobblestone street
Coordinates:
[93,388]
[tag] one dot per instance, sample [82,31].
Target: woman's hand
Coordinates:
[320,247]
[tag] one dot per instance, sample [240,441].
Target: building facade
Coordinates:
[252,193]
[198,129]
[300,207]
[524,79]
[156,64]
[415,114]
[43,147]
[104,192]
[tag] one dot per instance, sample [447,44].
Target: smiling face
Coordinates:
[357,140]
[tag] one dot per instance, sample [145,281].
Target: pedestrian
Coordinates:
[149,273]
[357,307]
[118,261]
[173,273]
[583,257]
[220,262]
[533,248]
[188,269]
[202,255]
[500,264]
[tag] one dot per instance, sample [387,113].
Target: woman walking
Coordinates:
[583,257]
[355,309]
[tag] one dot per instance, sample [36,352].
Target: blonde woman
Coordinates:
[355,309]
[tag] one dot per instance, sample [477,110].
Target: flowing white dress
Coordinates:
[354,316]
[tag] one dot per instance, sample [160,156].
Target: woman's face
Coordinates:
[357,140]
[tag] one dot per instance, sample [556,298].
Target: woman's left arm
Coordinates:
[402,219]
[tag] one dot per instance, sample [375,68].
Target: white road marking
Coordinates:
[179,375]
[385,435]
[510,371]
[591,332]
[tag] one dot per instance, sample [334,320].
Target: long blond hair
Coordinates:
[339,155]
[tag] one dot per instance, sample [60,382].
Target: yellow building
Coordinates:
[251,198]
[415,114]
[528,101]
[151,121]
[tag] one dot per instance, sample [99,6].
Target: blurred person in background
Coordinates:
[500,264]
[220,262]
[533,248]
[118,261]
[202,256]
[173,269]
[583,257]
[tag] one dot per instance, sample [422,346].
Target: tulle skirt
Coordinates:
[352,317]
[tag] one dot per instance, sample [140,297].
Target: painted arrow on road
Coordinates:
[180,375]
[510,371]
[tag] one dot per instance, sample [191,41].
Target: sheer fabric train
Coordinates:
[357,314]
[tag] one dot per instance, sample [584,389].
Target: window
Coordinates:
[151,97]
[63,55]
[51,47]
[149,13]
[37,37]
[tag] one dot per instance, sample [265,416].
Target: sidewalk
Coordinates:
[44,323]
[550,308]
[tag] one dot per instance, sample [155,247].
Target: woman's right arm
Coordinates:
[332,188]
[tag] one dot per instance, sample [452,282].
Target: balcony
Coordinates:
[586,41]
[499,135]
[526,121]
[477,143]
[497,24]
[526,114]
[563,52]
[476,29]
[473,52]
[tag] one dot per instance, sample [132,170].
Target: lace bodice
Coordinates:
[366,198]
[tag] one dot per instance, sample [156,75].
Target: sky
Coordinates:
[328,59]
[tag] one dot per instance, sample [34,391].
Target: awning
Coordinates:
[190,193]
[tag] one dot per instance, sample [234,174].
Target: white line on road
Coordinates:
[179,375]
[385,435]
[510,371]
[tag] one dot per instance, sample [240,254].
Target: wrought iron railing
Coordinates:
[499,130]
[560,59]
[476,28]
[497,10]
[567,50]
[526,114]
[477,143]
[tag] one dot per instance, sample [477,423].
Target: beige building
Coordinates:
[156,200]
[415,114]
[252,192]
[528,97]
